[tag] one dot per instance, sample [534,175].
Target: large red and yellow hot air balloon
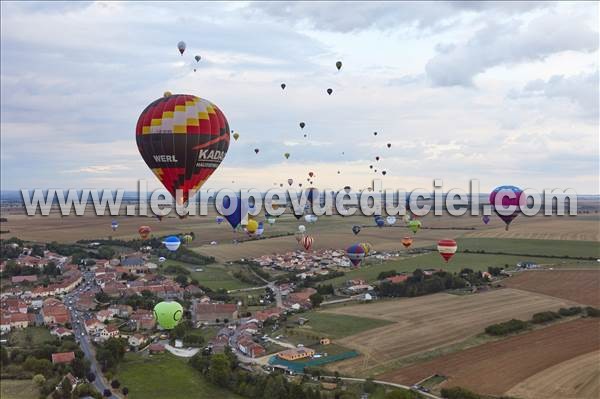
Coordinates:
[144,231]
[447,248]
[183,139]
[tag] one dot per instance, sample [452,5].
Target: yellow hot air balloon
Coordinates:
[252,226]
[236,136]
[187,239]
[286,155]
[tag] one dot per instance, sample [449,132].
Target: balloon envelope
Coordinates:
[162,259]
[379,221]
[172,243]
[252,226]
[414,225]
[114,225]
[168,314]
[486,219]
[356,253]
[447,249]
[307,242]
[181,47]
[506,196]
[356,229]
[183,139]
[407,242]
[390,220]
[144,231]
[338,65]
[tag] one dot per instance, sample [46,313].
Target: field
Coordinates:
[213,276]
[496,367]
[165,376]
[584,249]
[31,336]
[576,378]
[338,325]
[18,389]
[582,286]
[429,322]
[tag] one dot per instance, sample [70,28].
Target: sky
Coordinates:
[503,92]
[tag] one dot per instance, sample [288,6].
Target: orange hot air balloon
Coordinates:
[407,242]
[144,231]
[183,139]
[447,249]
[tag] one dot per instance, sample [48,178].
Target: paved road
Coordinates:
[77,322]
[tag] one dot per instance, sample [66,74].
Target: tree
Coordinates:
[181,280]
[369,385]
[115,384]
[38,379]
[3,355]
[66,388]
[80,367]
[219,372]
[91,377]
[107,393]
[125,391]
[316,299]
[275,388]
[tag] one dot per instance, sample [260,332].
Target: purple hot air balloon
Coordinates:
[356,254]
[486,219]
[509,196]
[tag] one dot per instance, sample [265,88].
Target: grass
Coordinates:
[165,376]
[213,276]
[30,336]
[18,389]
[337,326]
[532,247]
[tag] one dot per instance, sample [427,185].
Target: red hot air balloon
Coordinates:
[447,248]
[407,242]
[356,253]
[144,231]
[307,242]
[509,196]
[311,174]
[183,139]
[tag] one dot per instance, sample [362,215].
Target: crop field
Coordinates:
[577,378]
[582,286]
[583,249]
[338,325]
[494,368]
[18,389]
[433,321]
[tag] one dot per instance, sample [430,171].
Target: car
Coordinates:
[82,334]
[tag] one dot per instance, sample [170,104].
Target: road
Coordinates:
[77,322]
[391,384]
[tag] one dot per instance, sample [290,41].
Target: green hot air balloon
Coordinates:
[168,314]
[414,225]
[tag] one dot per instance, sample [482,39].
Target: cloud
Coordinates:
[99,169]
[509,42]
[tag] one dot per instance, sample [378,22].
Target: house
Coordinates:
[63,357]
[156,348]
[136,340]
[104,315]
[296,353]
[399,278]
[61,332]
[211,313]
[486,275]
[93,326]
[8,321]
[301,298]
[324,341]
[266,314]
[109,331]
[54,312]
[21,279]
[121,310]
[143,319]
[250,348]
[73,381]
[14,305]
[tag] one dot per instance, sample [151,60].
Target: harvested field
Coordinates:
[496,367]
[582,286]
[577,378]
[433,321]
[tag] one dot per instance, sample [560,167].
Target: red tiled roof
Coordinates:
[63,357]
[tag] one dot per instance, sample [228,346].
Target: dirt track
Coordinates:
[496,367]
[582,286]
[577,378]
[433,321]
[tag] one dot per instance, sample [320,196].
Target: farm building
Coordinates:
[296,353]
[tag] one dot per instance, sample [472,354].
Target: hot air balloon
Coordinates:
[280,184]
[356,253]
[219,219]
[301,228]
[144,231]
[447,248]
[368,247]
[407,242]
[236,136]
[338,65]
[383,172]
[182,139]
[282,86]
[256,150]
[486,219]
[414,225]
[311,218]
[356,229]
[370,166]
[390,220]
[302,124]
[162,259]
[506,191]
[286,155]
[329,91]
[187,239]
[389,145]
[260,229]
[168,314]
[377,158]
[307,242]
[181,47]
[299,184]
[114,225]
[379,221]
[290,181]
[172,243]
[347,189]
[197,58]
[311,174]
[374,133]
[252,226]
[271,220]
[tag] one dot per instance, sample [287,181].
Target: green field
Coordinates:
[337,326]
[18,389]
[30,336]
[214,276]
[532,247]
[165,376]
[434,261]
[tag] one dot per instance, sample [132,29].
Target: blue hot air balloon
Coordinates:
[356,253]
[380,221]
[219,219]
[114,225]
[172,243]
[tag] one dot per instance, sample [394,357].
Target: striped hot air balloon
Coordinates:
[447,248]
[508,196]
[407,242]
[307,242]
[144,231]
[356,253]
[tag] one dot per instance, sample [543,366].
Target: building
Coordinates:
[156,348]
[93,326]
[136,341]
[213,313]
[250,348]
[104,315]
[399,278]
[266,314]
[109,331]
[296,353]
[143,319]
[324,341]
[21,279]
[55,312]
[63,357]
